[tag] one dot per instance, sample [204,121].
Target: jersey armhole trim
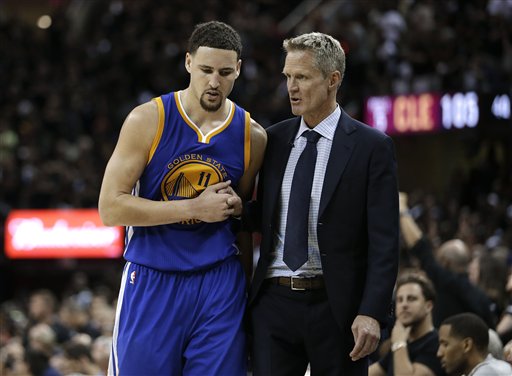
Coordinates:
[159,131]
[247,141]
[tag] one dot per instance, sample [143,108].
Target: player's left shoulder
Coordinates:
[258,133]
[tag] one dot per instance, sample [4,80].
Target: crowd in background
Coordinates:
[65,91]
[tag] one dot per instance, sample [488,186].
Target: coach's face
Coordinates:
[213,73]
[310,92]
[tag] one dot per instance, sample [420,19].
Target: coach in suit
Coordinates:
[328,208]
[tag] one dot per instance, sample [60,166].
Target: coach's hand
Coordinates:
[366,331]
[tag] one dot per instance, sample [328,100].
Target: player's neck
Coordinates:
[201,117]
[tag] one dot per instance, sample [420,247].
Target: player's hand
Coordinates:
[214,206]
[366,331]
[235,201]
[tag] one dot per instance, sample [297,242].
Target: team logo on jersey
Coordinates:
[132,277]
[189,175]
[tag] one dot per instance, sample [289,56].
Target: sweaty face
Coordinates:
[411,306]
[450,352]
[212,75]
[308,89]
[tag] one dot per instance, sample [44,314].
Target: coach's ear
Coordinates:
[188,62]
[335,80]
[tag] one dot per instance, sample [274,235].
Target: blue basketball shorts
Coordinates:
[173,323]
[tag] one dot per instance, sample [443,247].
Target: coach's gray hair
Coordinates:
[328,53]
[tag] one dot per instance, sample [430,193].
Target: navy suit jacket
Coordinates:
[357,220]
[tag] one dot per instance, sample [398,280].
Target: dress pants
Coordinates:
[293,328]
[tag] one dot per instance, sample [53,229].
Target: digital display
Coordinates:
[61,234]
[433,112]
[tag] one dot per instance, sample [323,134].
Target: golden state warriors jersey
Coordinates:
[182,163]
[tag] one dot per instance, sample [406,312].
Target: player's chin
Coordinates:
[211,106]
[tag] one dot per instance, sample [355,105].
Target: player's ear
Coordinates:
[188,62]
[238,67]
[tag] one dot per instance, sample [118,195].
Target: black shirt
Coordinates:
[423,351]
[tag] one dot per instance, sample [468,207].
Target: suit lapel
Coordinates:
[341,150]
[281,147]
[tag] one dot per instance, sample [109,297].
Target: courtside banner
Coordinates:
[67,233]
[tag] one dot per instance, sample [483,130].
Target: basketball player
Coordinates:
[181,166]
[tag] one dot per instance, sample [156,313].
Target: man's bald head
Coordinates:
[454,256]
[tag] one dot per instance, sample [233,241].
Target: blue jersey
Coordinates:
[182,163]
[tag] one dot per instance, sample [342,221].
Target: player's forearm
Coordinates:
[129,210]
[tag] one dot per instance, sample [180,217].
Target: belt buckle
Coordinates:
[292,285]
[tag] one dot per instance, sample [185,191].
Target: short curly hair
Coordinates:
[215,34]
[468,324]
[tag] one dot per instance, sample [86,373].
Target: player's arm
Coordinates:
[258,145]
[118,207]
[246,188]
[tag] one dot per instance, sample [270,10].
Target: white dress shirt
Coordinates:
[313,266]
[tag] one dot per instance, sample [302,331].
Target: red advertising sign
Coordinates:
[404,114]
[61,234]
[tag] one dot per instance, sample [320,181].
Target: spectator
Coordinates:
[495,345]
[448,273]
[41,338]
[77,318]
[507,352]
[463,348]
[38,363]
[79,359]
[504,327]
[413,338]
[12,359]
[100,352]
[41,309]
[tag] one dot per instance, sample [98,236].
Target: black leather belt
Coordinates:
[299,283]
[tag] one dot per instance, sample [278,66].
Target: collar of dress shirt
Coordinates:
[326,127]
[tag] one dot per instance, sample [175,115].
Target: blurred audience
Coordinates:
[30,346]
[448,270]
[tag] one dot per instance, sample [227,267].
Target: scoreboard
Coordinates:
[435,112]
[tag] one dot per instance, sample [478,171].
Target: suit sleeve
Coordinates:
[251,215]
[383,239]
